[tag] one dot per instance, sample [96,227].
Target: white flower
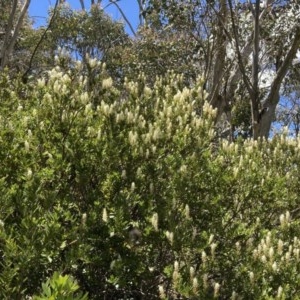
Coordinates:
[170,237]
[88,108]
[84,98]
[251,276]
[282,219]
[195,285]
[271,253]
[238,246]
[176,265]
[263,259]
[107,83]
[274,266]
[279,292]
[29,173]
[104,215]
[183,169]
[93,62]
[213,247]
[175,276]
[132,186]
[41,82]
[216,289]
[133,137]
[280,247]
[287,216]
[161,291]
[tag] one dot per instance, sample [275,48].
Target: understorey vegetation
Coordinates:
[128,192]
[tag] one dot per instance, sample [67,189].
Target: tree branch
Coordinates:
[141,10]
[239,55]
[245,52]
[82,4]
[275,86]
[24,76]
[123,15]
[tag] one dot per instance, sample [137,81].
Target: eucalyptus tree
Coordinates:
[240,46]
[85,35]
[14,18]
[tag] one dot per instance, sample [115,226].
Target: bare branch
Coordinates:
[238,51]
[246,50]
[123,15]
[24,76]
[141,4]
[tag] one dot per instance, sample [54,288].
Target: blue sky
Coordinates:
[38,10]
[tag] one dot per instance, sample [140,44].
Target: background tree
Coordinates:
[14,26]
[225,35]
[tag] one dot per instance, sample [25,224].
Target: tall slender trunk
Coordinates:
[12,32]
[7,36]
[216,99]
[254,94]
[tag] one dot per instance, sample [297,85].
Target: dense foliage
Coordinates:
[127,193]
[117,177]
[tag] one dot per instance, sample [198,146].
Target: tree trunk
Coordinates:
[8,34]
[254,92]
[11,33]
[267,117]
[269,106]
[216,100]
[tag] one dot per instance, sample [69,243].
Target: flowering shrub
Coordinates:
[129,191]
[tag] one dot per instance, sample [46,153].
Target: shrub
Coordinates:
[129,191]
